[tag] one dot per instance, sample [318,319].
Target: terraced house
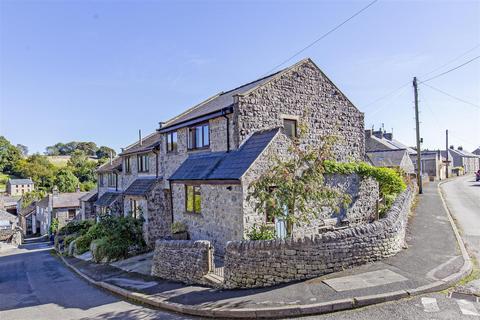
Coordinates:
[198,166]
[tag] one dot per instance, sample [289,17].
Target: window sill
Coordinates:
[196,214]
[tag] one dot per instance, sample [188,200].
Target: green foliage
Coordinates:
[291,186]
[29,197]
[178,227]
[9,155]
[82,166]
[67,240]
[88,185]
[108,249]
[87,147]
[124,231]
[39,169]
[66,181]
[390,181]
[105,152]
[54,226]
[263,232]
[76,227]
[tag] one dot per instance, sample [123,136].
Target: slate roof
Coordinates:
[67,200]
[107,199]
[476,151]
[217,102]
[463,153]
[387,158]
[140,186]
[393,144]
[20,181]
[108,167]
[224,165]
[148,143]
[90,196]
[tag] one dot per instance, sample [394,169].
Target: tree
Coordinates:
[9,155]
[105,152]
[82,166]
[66,181]
[38,168]
[23,149]
[90,148]
[294,189]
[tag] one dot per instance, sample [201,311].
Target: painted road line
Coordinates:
[467,308]
[430,305]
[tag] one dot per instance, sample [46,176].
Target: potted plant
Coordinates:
[179,231]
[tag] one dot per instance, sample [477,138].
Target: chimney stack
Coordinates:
[55,191]
[460,148]
[452,147]
[160,125]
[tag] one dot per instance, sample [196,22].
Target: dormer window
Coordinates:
[290,128]
[199,137]
[172,141]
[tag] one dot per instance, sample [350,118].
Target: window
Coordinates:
[100,180]
[290,127]
[193,201]
[127,165]
[134,209]
[112,179]
[199,137]
[172,141]
[71,214]
[142,163]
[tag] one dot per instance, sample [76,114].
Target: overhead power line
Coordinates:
[321,37]
[450,70]
[423,75]
[451,96]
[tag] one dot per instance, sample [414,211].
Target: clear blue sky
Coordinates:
[101,70]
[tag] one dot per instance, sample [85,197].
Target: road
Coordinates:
[463,198]
[36,285]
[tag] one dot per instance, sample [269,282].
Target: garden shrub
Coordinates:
[76,227]
[117,236]
[263,232]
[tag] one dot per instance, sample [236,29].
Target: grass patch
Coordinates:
[474,275]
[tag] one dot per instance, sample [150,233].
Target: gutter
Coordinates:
[201,118]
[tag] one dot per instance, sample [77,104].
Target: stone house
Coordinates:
[63,206]
[27,220]
[87,205]
[397,158]
[463,159]
[109,186]
[433,164]
[210,154]
[384,151]
[17,187]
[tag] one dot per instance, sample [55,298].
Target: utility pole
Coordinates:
[446,153]
[419,150]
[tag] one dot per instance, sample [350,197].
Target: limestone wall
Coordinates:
[182,260]
[221,218]
[264,263]
[306,94]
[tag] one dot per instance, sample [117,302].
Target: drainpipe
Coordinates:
[224,114]
[156,151]
[171,199]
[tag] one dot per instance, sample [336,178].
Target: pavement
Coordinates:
[435,260]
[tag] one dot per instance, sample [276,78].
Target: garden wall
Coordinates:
[182,260]
[251,264]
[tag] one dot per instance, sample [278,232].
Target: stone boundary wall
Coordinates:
[250,264]
[187,261]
